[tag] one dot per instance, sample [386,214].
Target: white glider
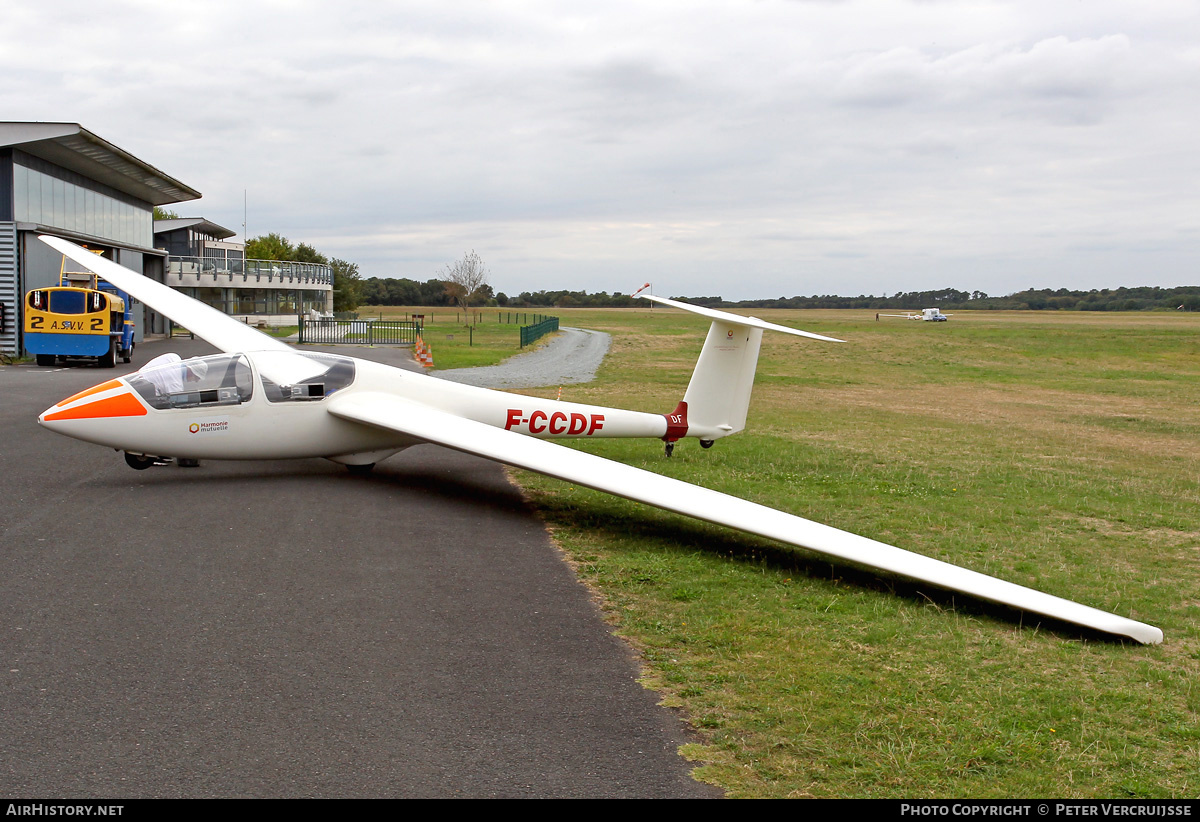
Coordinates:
[933,315]
[261,399]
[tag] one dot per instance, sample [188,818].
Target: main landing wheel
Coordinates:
[138,462]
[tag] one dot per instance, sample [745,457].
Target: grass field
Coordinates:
[454,344]
[1053,450]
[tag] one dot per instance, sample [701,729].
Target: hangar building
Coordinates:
[62,179]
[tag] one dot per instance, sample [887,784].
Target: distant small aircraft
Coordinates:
[929,315]
[262,399]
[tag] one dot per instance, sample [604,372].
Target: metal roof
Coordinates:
[198,223]
[73,147]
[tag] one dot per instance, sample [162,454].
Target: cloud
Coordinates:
[746,148]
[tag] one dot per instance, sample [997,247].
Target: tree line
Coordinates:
[389,291]
[403,291]
[433,292]
[1139,298]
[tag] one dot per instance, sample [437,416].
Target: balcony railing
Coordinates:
[203,271]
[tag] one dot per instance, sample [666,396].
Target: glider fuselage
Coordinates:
[239,412]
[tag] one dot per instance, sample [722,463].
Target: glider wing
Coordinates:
[283,365]
[428,424]
[212,326]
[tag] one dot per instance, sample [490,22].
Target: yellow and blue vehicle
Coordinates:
[81,317]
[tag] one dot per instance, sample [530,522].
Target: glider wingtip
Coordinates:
[1126,628]
[1149,635]
[1139,632]
[811,335]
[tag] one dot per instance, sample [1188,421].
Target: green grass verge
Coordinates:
[1053,450]
[455,345]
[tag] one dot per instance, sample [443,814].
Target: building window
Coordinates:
[52,196]
[212,296]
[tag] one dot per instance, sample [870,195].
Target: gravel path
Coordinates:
[571,357]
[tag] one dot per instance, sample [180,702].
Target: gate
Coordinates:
[358,332]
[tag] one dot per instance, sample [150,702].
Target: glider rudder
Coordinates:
[718,396]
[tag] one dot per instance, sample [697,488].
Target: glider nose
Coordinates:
[100,402]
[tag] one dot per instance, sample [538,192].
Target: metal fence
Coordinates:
[240,271]
[519,318]
[358,332]
[530,333]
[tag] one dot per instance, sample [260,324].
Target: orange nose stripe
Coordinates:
[95,389]
[122,405]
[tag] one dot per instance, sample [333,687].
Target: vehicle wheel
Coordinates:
[46,359]
[138,462]
[109,360]
[361,470]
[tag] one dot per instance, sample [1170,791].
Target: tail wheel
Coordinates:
[706,443]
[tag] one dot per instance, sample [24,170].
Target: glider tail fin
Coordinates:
[718,395]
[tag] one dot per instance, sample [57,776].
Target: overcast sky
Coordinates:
[747,149]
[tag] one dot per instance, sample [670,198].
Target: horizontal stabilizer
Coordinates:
[734,319]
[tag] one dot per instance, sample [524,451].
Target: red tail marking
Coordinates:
[677,424]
